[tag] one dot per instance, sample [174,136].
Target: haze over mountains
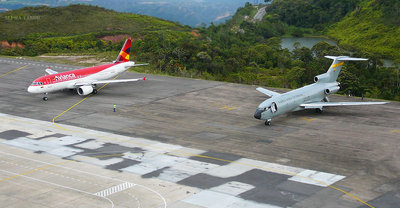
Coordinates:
[186,12]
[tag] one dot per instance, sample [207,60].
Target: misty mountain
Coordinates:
[186,12]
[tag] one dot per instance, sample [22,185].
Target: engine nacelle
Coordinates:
[321,78]
[331,90]
[85,90]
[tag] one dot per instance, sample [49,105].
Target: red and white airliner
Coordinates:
[85,80]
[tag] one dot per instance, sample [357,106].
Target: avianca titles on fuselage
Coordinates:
[85,80]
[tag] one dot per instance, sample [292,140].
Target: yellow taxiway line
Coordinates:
[12,71]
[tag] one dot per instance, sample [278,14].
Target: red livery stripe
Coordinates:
[71,75]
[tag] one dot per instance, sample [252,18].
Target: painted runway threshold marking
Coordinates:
[115,189]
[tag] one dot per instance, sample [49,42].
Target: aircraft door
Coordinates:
[274,107]
[48,81]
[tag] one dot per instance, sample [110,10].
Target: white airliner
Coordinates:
[85,80]
[314,96]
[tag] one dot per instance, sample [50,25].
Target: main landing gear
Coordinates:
[268,122]
[94,89]
[318,110]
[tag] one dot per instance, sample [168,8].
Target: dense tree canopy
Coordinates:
[240,50]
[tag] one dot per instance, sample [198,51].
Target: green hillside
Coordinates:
[75,19]
[373,27]
[241,50]
[75,28]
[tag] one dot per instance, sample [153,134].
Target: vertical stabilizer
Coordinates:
[123,55]
[338,61]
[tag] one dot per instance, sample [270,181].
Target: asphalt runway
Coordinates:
[344,157]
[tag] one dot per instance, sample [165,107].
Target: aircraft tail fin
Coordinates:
[125,52]
[338,61]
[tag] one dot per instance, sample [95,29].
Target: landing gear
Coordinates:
[318,110]
[94,89]
[45,97]
[268,122]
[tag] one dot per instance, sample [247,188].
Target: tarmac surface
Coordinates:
[214,153]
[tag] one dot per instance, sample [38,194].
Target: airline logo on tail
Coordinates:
[336,65]
[125,52]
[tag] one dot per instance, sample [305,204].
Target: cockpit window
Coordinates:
[37,83]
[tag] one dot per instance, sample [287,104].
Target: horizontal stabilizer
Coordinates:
[141,64]
[334,104]
[50,72]
[345,58]
[267,92]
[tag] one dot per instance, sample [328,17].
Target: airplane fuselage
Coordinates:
[69,79]
[313,96]
[292,100]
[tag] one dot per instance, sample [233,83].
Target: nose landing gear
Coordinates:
[268,122]
[45,97]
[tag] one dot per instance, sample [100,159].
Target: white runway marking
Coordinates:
[316,178]
[115,189]
[93,174]
[58,185]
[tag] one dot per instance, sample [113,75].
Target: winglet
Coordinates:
[144,78]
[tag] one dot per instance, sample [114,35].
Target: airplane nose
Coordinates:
[32,89]
[257,114]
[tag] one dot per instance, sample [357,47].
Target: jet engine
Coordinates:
[321,78]
[331,90]
[85,90]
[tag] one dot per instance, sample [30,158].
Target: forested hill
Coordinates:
[75,19]
[242,50]
[77,28]
[368,25]
[374,26]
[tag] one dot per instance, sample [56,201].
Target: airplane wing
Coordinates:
[49,71]
[333,104]
[118,80]
[78,84]
[267,92]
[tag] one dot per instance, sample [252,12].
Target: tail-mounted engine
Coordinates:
[321,78]
[331,90]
